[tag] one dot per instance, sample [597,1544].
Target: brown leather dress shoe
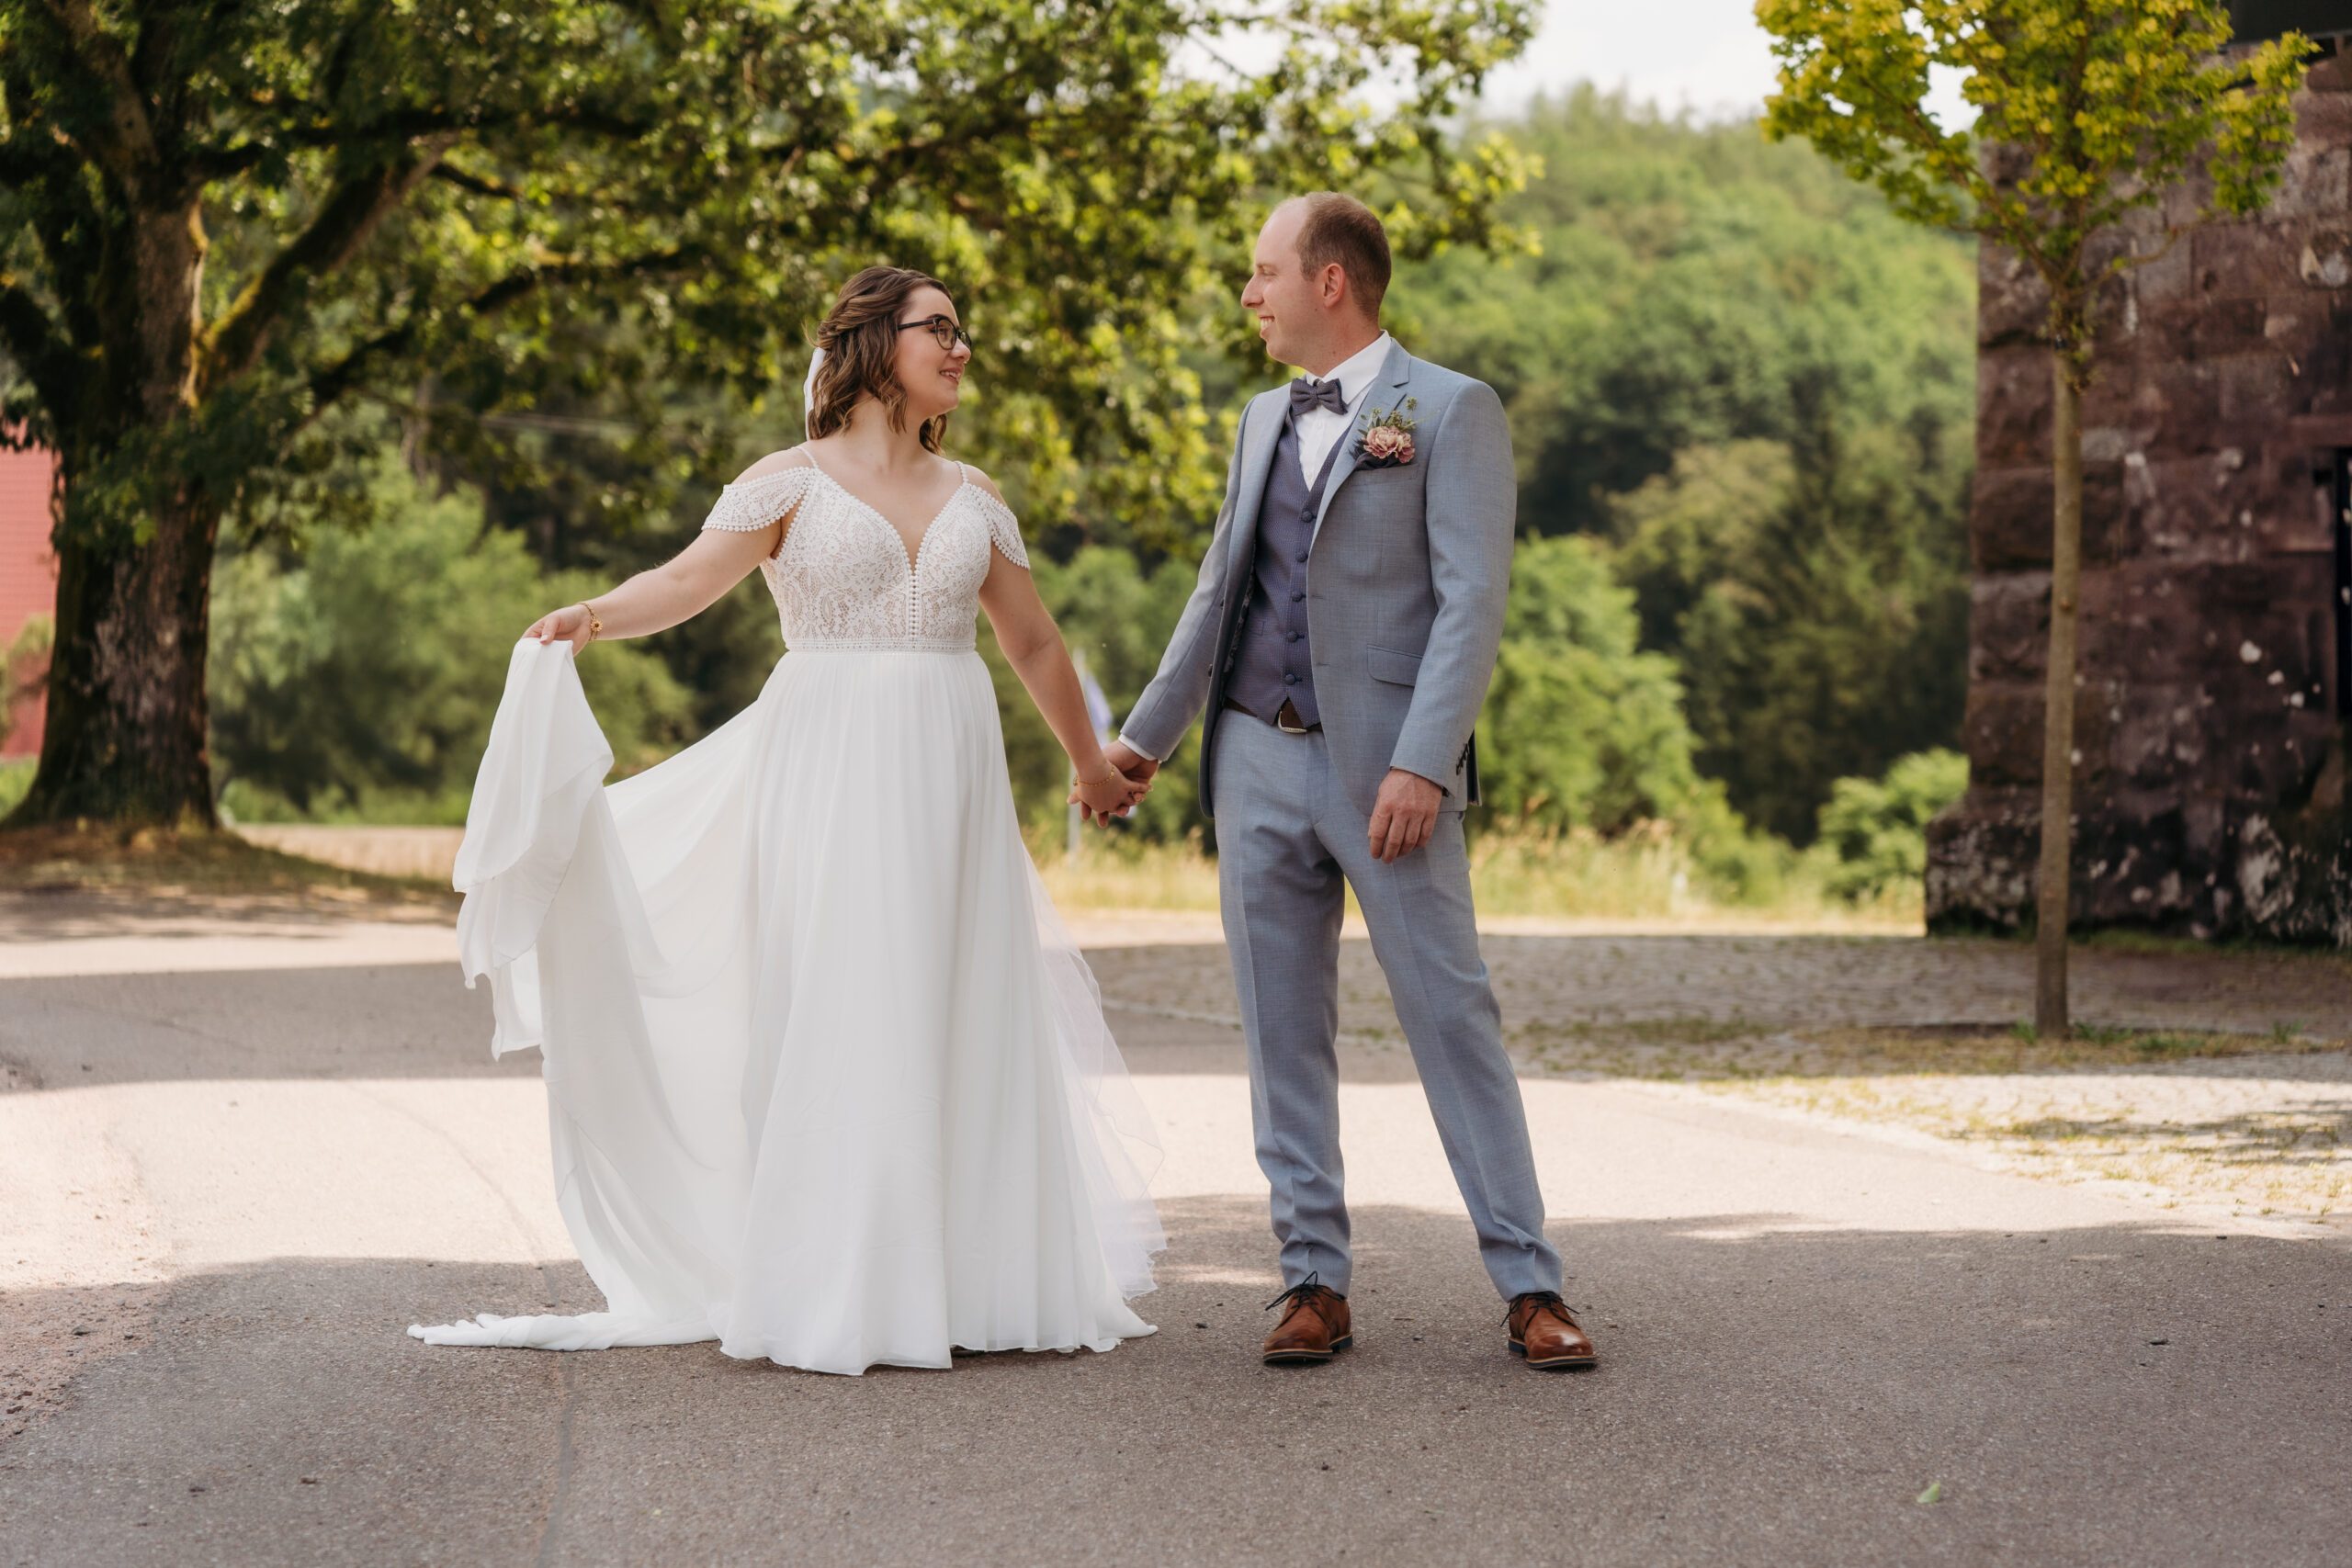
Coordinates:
[1544,1330]
[1312,1330]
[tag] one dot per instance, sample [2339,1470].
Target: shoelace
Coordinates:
[1535,1301]
[1303,1288]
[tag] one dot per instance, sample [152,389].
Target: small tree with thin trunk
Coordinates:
[2085,111]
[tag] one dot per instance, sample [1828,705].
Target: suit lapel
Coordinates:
[1264,433]
[1395,369]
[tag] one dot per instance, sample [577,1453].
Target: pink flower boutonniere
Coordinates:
[1387,440]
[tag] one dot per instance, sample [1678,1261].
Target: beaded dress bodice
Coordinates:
[843,580]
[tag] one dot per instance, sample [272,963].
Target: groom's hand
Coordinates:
[1405,815]
[1130,761]
[1139,769]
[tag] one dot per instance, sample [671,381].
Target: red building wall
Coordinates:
[28,575]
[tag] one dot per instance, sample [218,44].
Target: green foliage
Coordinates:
[1117,617]
[24,664]
[356,679]
[1581,729]
[1874,830]
[15,777]
[1685,530]
[2101,106]
[553,218]
[1757,380]
[1685,279]
[1833,638]
[1582,736]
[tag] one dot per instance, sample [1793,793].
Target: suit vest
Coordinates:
[1272,662]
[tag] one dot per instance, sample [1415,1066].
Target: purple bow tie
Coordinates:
[1305,394]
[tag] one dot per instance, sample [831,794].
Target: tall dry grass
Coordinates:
[1570,877]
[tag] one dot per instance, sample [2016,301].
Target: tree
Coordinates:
[356,677]
[2087,110]
[1583,728]
[1688,276]
[1828,633]
[224,227]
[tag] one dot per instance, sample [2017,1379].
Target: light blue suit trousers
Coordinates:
[1287,834]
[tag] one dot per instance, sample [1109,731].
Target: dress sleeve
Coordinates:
[1004,529]
[751,504]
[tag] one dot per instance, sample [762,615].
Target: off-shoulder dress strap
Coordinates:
[1004,529]
[744,505]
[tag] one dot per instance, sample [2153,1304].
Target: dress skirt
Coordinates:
[828,1079]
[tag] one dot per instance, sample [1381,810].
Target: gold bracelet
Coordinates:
[594,625]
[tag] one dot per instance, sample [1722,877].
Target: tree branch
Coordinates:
[341,225]
[38,348]
[313,127]
[481,184]
[332,381]
[129,142]
[68,226]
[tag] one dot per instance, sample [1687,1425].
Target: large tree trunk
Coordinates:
[124,740]
[2050,1011]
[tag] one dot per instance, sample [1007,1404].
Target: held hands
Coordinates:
[1404,816]
[567,624]
[1113,794]
[1119,792]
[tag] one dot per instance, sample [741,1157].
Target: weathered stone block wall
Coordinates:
[2209,779]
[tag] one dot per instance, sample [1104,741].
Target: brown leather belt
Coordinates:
[1286,717]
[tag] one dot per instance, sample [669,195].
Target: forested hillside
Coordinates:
[1740,395]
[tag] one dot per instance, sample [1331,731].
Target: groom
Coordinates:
[1341,638]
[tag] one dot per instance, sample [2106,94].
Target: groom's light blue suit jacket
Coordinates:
[1406,574]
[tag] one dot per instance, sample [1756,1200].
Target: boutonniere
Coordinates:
[1388,439]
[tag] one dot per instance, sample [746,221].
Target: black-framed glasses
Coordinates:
[943,331]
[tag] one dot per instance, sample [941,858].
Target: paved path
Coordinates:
[1848,1029]
[1802,1330]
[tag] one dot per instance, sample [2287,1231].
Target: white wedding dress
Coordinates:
[828,1079]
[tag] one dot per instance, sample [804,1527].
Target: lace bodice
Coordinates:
[842,577]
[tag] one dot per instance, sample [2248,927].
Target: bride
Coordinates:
[828,1079]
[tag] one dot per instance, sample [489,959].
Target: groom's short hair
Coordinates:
[1340,229]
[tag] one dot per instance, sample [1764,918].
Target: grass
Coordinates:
[1122,873]
[1562,877]
[2138,940]
[1570,877]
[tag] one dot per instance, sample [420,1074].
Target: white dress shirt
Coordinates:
[1319,429]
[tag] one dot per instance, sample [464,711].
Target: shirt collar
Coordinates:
[1355,373]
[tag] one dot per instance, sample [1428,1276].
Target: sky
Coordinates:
[1708,56]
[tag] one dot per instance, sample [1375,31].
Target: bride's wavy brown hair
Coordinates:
[860,338]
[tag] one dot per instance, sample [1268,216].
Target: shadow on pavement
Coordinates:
[1766,1394]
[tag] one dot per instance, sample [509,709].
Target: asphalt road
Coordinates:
[1803,1333]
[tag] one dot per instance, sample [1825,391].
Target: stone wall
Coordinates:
[2210,784]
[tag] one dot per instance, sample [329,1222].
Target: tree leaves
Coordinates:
[444,192]
[2087,111]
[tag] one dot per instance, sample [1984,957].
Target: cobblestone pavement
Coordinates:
[2240,1104]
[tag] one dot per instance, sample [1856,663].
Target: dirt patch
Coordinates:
[158,864]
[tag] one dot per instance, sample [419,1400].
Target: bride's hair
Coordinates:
[860,338]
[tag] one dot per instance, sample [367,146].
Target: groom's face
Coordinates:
[1279,292]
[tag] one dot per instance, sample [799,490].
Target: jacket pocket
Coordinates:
[1393,665]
